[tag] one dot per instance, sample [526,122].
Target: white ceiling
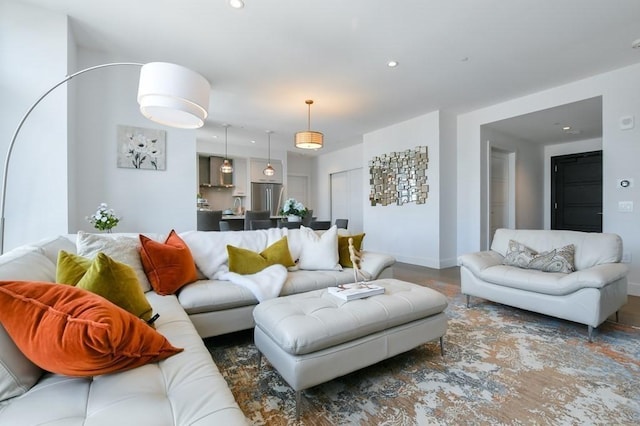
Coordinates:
[265,60]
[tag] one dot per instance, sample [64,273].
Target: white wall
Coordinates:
[410,232]
[33,54]
[148,201]
[333,162]
[562,149]
[621,149]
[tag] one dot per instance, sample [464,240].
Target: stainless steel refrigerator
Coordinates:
[267,196]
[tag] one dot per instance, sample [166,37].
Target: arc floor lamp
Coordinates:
[168,94]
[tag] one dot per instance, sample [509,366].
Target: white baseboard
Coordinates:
[633,289]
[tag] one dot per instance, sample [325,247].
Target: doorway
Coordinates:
[501,191]
[576,192]
[346,198]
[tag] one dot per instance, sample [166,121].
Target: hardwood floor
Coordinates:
[629,314]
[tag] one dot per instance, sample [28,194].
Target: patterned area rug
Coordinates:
[501,366]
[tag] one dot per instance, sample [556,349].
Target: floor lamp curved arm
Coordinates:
[168,94]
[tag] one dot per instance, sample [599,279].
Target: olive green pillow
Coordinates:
[245,262]
[71,267]
[343,248]
[115,281]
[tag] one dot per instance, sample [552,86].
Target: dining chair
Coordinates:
[224,225]
[308,218]
[289,225]
[320,225]
[342,223]
[255,215]
[209,220]
[261,224]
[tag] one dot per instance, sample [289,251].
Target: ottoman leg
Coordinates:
[442,345]
[468,297]
[259,360]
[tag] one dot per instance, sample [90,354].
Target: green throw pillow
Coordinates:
[343,248]
[245,262]
[118,283]
[71,267]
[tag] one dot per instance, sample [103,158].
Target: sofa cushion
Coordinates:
[319,250]
[122,248]
[553,283]
[591,248]
[184,389]
[27,263]
[17,373]
[74,332]
[556,260]
[51,246]
[214,295]
[209,249]
[168,266]
[243,261]
[343,248]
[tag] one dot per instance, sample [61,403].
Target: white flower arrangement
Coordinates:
[104,218]
[292,207]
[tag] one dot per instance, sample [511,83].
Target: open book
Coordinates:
[355,291]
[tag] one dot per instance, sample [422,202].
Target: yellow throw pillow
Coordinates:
[71,268]
[245,262]
[118,283]
[343,248]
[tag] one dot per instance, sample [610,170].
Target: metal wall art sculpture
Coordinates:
[399,177]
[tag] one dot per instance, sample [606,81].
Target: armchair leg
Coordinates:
[441,346]
[590,334]
[617,316]
[468,297]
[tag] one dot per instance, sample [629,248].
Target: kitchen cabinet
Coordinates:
[259,164]
[240,177]
[209,173]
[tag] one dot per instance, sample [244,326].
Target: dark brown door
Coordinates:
[576,192]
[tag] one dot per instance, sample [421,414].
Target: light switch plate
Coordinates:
[627,122]
[625,206]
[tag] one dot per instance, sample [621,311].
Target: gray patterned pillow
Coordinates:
[556,260]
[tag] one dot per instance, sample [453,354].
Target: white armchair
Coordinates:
[589,295]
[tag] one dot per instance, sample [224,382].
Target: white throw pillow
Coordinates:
[28,264]
[319,251]
[124,249]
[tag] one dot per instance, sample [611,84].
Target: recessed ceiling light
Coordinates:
[565,128]
[392,64]
[636,44]
[236,4]
[253,141]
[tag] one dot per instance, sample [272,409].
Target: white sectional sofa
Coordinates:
[596,288]
[184,389]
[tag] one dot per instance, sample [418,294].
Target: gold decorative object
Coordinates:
[399,177]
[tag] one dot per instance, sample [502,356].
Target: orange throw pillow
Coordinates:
[71,331]
[168,266]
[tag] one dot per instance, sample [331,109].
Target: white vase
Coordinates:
[293,218]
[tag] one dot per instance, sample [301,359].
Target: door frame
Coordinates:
[511,176]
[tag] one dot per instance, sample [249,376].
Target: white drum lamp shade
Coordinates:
[168,94]
[173,95]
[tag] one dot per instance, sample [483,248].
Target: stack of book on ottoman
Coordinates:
[355,291]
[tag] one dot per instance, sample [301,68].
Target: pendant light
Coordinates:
[269,170]
[226,167]
[309,139]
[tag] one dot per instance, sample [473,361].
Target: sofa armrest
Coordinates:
[600,275]
[374,263]
[479,261]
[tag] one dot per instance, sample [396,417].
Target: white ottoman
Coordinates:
[314,337]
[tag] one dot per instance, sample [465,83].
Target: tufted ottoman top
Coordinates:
[309,322]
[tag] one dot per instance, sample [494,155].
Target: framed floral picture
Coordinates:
[140,148]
